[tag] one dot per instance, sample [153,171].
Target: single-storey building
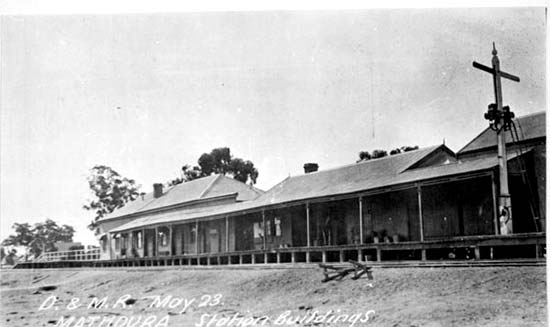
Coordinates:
[417,204]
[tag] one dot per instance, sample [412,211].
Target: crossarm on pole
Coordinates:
[492,72]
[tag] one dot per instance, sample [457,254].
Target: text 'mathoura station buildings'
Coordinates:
[422,204]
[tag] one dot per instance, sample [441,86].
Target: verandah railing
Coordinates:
[73,255]
[532,244]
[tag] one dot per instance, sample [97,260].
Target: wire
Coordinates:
[523,171]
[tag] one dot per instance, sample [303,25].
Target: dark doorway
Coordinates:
[522,208]
[149,249]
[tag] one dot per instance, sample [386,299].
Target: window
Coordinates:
[277,226]
[117,241]
[182,241]
[193,235]
[104,243]
[139,240]
[258,230]
[272,227]
[268,225]
[163,238]
[123,243]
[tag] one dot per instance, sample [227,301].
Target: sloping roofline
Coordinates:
[201,196]
[487,129]
[410,177]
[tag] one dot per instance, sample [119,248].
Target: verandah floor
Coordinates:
[530,245]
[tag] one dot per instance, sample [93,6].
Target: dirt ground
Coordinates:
[503,296]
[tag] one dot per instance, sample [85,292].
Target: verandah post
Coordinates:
[361,220]
[265,236]
[308,234]
[226,233]
[495,204]
[171,241]
[307,224]
[197,237]
[156,240]
[421,220]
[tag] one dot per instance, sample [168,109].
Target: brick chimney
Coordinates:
[157,190]
[310,167]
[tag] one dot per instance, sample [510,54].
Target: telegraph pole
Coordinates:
[500,118]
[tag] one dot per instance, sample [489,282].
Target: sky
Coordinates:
[147,93]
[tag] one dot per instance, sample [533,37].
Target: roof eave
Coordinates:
[171,207]
[494,146]
[333,197]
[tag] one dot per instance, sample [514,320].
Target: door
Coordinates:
[150,241]
[214,240]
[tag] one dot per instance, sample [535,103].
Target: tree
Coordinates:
[111,190]
[365,155]
[40,237]
[188,173]
[379,154]
[407,148]
[11,257]
[219,161]
[24,235]
[243,170]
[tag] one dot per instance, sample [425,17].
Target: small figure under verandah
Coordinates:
[505,222]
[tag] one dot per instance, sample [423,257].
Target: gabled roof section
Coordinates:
[224,185]
[440,156]
[529,127]
[201,189]
[130,207]
[363,175]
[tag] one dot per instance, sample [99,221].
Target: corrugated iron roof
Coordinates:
[180,215]
[199,189]
[362,176]
[529,127]
[133,206]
